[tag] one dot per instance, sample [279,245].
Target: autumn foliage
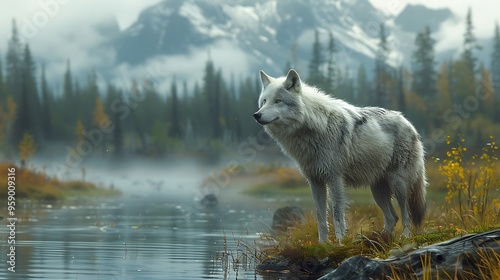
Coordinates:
[473,184]
[27,148]
[36,185]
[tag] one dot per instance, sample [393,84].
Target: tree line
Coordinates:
[454,96]
[206,119]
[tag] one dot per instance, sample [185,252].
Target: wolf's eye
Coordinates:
[263,101]
[277,101]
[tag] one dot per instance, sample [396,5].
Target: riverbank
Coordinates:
[36,185]
[463,198]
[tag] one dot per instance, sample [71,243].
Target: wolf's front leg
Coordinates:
[318,190]
[338,206]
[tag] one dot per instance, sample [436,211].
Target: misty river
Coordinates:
[156,230]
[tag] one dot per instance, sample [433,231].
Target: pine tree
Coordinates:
[14,85]
[382,51]
[7,118]
[495,61]
[78,111]
[465,69]
[29,67]
[463,81]
[470,45]
[198,106]
[443,93]
[100,116]
[211,94]
[68,83]
[13,64]
[424,73]
[345,87]
[382,75]
[87,95]
[316,77]
[330,82]
[117,135]
[67,105]
[219,122]
[175,126]
[29,105]
[487,91]
[401,91]
[246,105]
[118,131]
[415,106]
[184,113]
[134,118]
[349,85]
[152,108]
[3,93]
[363,87]
[451,80]
[46,118]
[231,108]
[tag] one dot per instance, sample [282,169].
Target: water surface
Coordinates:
[156,230]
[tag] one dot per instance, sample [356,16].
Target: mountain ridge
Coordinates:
[268,31]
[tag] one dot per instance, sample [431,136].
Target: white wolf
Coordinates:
[337,144]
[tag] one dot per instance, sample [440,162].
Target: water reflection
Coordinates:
[137,237]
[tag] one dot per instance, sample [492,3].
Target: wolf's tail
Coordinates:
[417,201]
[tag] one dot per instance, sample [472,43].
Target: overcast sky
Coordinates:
[62,29]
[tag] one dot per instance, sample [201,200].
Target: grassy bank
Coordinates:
[301,243]
[463,197]
[35,185]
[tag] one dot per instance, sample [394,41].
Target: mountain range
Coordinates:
[270,33]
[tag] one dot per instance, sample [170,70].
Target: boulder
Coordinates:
[460,258]
[209,201]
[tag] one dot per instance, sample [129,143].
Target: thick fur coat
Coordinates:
[336,144]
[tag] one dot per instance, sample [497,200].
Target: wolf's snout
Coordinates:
[257,116]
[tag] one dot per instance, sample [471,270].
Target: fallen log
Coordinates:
[460,258]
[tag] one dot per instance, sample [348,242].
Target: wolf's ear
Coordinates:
[265,79]
[292,82]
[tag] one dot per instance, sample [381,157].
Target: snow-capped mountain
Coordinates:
[267,31]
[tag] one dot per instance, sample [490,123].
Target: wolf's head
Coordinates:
[280,100]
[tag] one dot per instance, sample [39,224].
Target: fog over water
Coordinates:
[156,230]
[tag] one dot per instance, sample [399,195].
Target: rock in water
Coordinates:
[209,201]
[287,217]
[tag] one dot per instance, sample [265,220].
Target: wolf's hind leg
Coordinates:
[382,194]
[318,190]
[401,192]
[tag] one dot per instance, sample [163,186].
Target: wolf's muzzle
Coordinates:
[257,116]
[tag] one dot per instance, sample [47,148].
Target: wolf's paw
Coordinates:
[406,232]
